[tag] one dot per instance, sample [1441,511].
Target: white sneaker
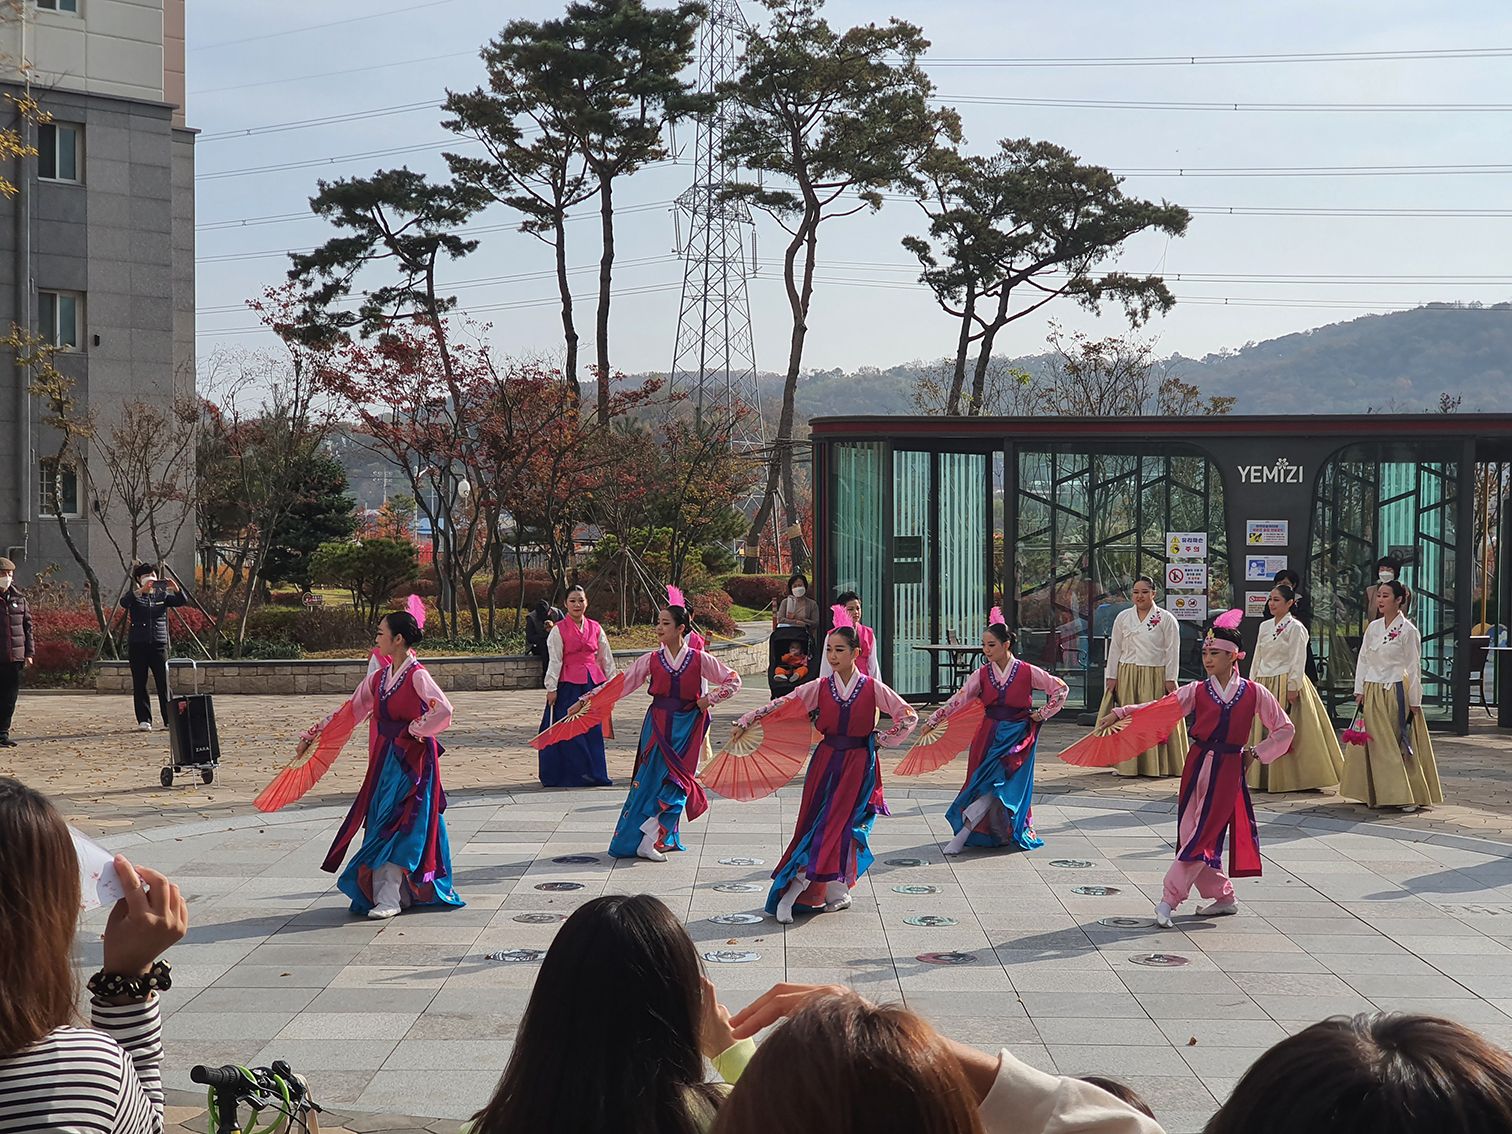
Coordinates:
[647,850]
[1409,809]
[1163,916]
[144,726]
[838,904]
[784,914]
[379,913]
[1219,909]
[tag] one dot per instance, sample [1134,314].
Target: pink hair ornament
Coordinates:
[841,618]
[675,596]
[416,607]
[1228,620]
[995,618]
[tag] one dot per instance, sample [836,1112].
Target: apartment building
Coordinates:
[96,247]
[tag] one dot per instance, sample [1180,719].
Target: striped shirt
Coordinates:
[100,1080]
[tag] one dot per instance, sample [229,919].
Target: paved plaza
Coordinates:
[1357,911]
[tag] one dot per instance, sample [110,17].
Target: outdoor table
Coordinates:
[957,659]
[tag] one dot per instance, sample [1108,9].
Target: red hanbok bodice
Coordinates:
[579,648]
[852,719]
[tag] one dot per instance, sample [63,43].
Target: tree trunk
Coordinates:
[963,346]
[782,454]
[90,576]
[520,570]
[606,274]
[564,289]
[984,355]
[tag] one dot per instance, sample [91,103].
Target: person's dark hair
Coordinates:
[846,596]
[681,616]
[848,635]
[39,906]
[1145,579]
[142,569]
[609,1043]
[1385,1074]
[1390,561]
[1289,577]
[542,609]
[402,623]
[1286,592]
[1396,587]
[842,1064]
[1226,633]
[1001,632]
[576,589]
[1122,1092]
[796,577]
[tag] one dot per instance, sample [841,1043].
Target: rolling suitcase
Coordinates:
[193,742]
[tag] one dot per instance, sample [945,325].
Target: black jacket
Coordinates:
[18,643]
[535,627]
[149,615]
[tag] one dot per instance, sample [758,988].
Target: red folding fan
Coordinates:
[593,709]
[1123,740]
[304,771]
[766,758]
[949,739]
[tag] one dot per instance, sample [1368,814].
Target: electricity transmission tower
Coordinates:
[714,360]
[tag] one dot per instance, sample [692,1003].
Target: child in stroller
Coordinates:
[789,665]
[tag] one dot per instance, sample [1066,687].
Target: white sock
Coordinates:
[1163,915]
[789,896]
[970,818]
[652,831]
[386,882]
[836,894]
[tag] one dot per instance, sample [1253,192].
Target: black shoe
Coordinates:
[7,742]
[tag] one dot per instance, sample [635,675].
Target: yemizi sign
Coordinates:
[1282,472]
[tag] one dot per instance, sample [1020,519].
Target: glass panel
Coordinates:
[1373,501]
[963,546]
[912,540]
[47,316]
[47,151]
[857,492]
[68,320]
[68,154]
[68,492]
[1089,525]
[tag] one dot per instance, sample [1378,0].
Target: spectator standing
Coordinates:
[19,648]
[147,604]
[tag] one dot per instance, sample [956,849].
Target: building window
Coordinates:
[60,484]
[59,5]
[58,317]
[57,152]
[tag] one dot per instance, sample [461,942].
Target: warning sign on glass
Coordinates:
[1188,608]
[1187,576]
[1186,545]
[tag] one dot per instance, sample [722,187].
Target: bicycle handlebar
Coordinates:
[228,1076]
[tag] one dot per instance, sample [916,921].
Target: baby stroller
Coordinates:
[790,659]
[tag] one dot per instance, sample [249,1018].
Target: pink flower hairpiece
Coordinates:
[675,596]
[416,607]
[1228,620]
[841,617]
[995,618]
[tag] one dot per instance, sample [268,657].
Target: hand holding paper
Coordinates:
[99,885]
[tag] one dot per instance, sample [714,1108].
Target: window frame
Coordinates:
[77,131]
[57,296]
[57,7]
[47,487]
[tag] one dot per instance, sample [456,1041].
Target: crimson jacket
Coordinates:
[18,640]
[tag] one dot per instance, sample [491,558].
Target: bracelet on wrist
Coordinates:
[110,985]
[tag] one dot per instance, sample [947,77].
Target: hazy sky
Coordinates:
[1238,277]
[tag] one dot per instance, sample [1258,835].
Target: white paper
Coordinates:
[99,885]
[1266,533]
[1186,545]
[1254,604]
[1186,576]
[1188,608]
[1262,568]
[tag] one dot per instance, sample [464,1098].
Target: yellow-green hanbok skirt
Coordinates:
[1395,768]
[1136,685]
[1314,759]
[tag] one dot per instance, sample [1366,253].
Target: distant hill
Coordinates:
[1402,361]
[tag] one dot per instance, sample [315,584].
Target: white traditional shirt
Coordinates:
[1052,687]
[1389,654]
[1281,648]
[603,657]
[1154,640]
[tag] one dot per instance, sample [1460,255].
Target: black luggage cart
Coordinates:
[193,743]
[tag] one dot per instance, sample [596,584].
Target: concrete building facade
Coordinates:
[96,250]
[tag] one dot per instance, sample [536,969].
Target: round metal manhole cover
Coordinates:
[917,889]
[1072,863]
[1096,891]
[739,887]
[557,887]
[946,958]
[1127,922]
[575,860]
[540,918]
[1159,960]
[731,957]
[742,862]
[929,921]
[526,956]
[737,919]
[906,861]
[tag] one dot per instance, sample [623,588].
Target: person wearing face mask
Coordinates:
[18,648]
[147,604]
[1387,570]
[797,609]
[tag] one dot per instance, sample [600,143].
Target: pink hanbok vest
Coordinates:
[578,650]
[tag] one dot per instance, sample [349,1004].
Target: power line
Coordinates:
[1229,60]
[313,162]
[332,119]
[1261,107]
[332,74]
[316,27]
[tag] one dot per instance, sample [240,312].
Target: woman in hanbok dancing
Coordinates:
[662,787]
[1394,766]
[1280,664]
[1144,653]
[993,809]
[1214,799]
[829,850]
[405,857]
[578,659]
